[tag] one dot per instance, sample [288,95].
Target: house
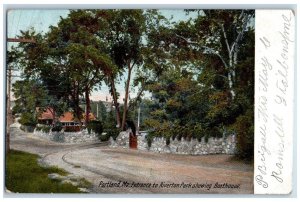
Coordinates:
[67,119]
[45,117]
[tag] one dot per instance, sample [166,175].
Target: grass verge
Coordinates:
[24,175]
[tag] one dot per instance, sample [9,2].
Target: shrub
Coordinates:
[57,127]
[72,128]
[112,132]
[206,136]
[168,141]
[150,137]
[28,129]
[103,137]
[27,119]
[95,126]
[38,128]
[46,129]
[198,132]
[244,128]
[213,132]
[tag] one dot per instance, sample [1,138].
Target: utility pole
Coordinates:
[9,118]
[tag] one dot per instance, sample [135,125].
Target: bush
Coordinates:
[46,129]
[198,132]
[95,126]
[27,119]
[72,128]
[57,127]
[28,129]
[38,128]
[244,128]
[150,137]
[168,141]
[103,137]
[112,132]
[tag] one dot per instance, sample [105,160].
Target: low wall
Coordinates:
[225,145]
[69,137]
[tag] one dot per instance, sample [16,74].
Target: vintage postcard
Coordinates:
[149,101]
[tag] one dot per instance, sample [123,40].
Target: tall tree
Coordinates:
[124,35]
[218,47]
[84,55]
[36,67]
[29,95]
[219,33]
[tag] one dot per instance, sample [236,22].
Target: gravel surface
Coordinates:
[117,170]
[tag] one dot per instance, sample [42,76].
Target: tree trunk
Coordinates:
[88,106]
[231,75]
[115,99]
[126,97]
[77,110]
[53,115]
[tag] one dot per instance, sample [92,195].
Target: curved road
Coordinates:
[119,170]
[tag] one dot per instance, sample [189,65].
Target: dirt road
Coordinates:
[117,170]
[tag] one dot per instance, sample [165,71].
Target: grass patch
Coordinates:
[24,175]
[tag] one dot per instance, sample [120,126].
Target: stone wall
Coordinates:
[69,137]
[194,147]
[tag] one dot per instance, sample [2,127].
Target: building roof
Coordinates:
[66,117]
[45,115]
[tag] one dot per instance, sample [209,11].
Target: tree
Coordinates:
[124,36]
[217,47]
[36,67]
[79,56]
[219,33]
[29,96]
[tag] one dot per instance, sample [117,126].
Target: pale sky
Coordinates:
[41,19]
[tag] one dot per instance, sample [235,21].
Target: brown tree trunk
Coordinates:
[53,115]
[114,95]
[126,97]
[88,106]
[77,110]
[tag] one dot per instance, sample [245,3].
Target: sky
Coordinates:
[41,19]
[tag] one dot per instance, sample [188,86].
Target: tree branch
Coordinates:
[226,40]
[240,35]
[206,49]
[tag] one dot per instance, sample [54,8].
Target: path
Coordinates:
[102,166]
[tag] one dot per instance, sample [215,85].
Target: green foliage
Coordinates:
[244,127]
[205,84]
[95,126]
[28,119]
[112,132]
[102,113]
[29,95]
[24,175]
[72,128]
[170,130]
[43,128]
[57,127]
[200,71]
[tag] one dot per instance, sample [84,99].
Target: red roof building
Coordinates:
[67,119]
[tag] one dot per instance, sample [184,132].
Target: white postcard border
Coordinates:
[274,101]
